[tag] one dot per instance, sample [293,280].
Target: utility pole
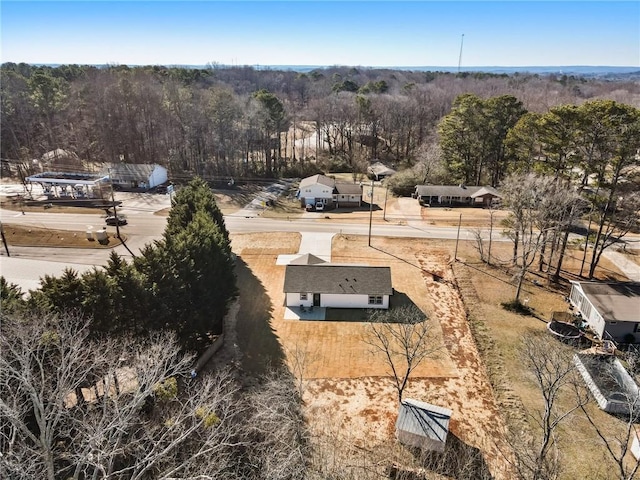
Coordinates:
[370,212]
[4,240]
[455,255]
[113,201]
[384,212]
[491,212]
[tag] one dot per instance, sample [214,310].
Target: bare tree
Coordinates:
[277,438]
[539,205]
[403,336]
[74,408]
[550,366]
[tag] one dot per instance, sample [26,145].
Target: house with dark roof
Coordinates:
[423,425]
[308,281]
[455,195]
[322,189]
[612,310]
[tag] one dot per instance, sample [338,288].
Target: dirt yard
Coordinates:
[339,373]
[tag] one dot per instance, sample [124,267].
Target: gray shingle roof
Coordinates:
[424,419]
[340,279]
[486,191]
[348,189]
[306,259]
[132,171]
[379,168]
[453,191]
[614,301]
[321,179]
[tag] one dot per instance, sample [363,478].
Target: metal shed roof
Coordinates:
[338,279]
[424,419]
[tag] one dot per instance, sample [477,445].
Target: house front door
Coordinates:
[316,299]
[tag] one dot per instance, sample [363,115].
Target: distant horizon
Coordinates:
[432,68]
[378,34]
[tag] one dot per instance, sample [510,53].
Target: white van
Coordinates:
[319,206]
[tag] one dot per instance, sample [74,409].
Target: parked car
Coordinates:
[113,220]
[309,207]
[319,206]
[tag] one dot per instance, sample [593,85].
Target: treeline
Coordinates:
[241,121]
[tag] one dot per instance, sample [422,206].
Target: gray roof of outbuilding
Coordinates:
[379,168]
[338,279]
[424,419]
[618,302]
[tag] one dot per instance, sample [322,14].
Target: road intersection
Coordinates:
[145,227]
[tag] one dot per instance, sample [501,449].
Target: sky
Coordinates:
[322,33]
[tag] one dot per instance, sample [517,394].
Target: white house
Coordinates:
[612,310]
[325,190]
[423,425]
[322,284]
[137,175]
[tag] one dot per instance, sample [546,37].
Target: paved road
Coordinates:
[144,227]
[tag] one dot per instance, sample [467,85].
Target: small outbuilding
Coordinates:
[378,171]
[423,425]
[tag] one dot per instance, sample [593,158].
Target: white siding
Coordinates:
[336,301]
[317,191]
[587,310]
[293,300]
[158,176]
[350,301]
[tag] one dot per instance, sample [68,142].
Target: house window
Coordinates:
[636,329]
[375,299]
[303,296]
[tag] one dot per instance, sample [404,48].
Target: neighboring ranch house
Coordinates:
[323,284]
[325,190]
[136,175]
[455,195]
[612,310]
[423,425]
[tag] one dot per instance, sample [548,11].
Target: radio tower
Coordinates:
[460,57]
